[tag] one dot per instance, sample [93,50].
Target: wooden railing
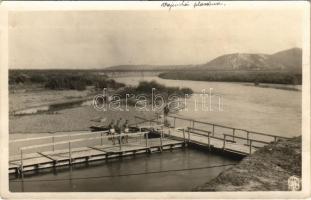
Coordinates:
[248,133]
[155,120]
[55,135]
[249,141]
[191,131]
[71,141]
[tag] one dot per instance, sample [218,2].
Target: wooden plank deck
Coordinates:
[237,146]
[83,154]
[137,143]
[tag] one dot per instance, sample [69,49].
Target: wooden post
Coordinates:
[247,137]
[136,122]
[192,123]
[69,147]
[209,142]
[183,132]
[161,137]
[250,147]
[213,129]
[233,135]
[188,134]
[275,139]
[162,131]
[101,138]
[140,136]
[174,122]
[224,144]
[22,165]
[53,140]
[147,139]
[120,142]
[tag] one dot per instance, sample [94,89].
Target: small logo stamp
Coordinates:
[294,183]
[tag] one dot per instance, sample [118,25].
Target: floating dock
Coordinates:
[151,137]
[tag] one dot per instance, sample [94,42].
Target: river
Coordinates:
[142,173]
[268,110]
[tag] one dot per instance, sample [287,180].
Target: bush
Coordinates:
[37,78]
[108,83]
[61,83]
[145,87]
[188,91]
[20,78]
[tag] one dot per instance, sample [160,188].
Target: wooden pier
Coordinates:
[208,135]
[137,143]
[215,136]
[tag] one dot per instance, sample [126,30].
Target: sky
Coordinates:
[98,39]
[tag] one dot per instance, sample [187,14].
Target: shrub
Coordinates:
[61,83]
[187,91]
[37,78]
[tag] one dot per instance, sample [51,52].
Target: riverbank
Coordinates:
[72,119]
[37,110]
[65,119]
[256,77]
[268,169]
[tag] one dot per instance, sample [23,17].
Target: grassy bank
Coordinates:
[268,169]
[255,77]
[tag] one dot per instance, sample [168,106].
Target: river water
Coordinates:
[245,106]
[142,173]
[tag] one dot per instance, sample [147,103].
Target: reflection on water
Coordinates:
[155,172]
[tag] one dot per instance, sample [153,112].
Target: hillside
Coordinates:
[287,60]
[290,60]
[237,61]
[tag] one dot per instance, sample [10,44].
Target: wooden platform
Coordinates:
[32,161]
[216,141]
[239,148]
[237,141]
[210,135]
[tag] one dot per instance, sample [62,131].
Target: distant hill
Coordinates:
[287,60]
[290,60]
